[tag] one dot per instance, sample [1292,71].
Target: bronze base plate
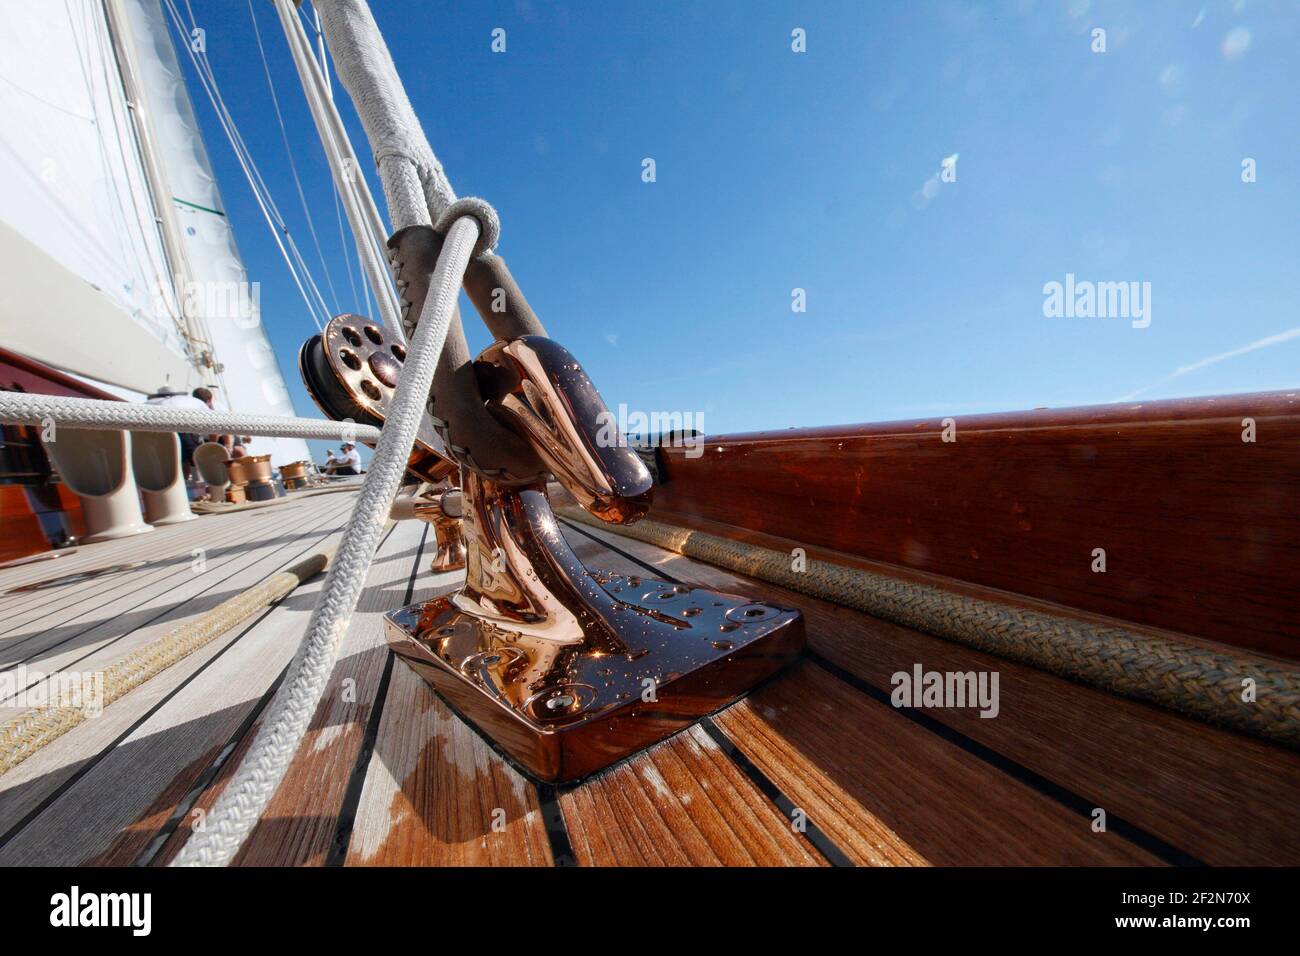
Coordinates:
[562,712]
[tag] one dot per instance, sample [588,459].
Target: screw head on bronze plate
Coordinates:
[563,712]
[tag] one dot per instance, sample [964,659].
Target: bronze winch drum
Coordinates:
[262,491]
[253,478]
[238,468]
[294,475]
[261,480]
[259,467]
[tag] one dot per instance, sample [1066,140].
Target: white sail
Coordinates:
[225,302]
[132,278]
[83,253]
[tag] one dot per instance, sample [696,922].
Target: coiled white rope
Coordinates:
[23,408]
[237,810]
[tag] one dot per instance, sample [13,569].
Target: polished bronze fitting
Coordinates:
[449,533]
[257,467]
[295,474]
[351,370]
[537,388]
[441,507]
[567,669]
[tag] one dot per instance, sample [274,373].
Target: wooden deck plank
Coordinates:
[61,607]
[24,788]
[31,782]
[885,788]
[92,557]
[299,823]
[437,795]
[168,751]
[49,608]
[121,631]
[1222,797]
[681,803]
[166,539]
[855,768]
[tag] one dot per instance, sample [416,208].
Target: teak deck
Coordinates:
[815,768]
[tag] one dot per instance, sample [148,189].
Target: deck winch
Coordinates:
[566,669]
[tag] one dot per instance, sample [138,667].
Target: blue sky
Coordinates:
[779,170]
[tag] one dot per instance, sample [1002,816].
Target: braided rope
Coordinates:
[24,735]
[1191,680]
[414,182]
[241,803]
[22,408]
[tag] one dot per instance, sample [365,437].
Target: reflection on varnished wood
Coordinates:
[1200,529]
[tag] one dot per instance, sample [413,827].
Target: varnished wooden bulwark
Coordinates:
[1200,527]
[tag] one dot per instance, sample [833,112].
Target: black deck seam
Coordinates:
[557,832]
[822,843]
[210,774]
[313,530]
[81,771]
[1060,794]
[347,818]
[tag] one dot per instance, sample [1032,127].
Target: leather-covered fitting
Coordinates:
[483,278]
[413,254]
[472,436]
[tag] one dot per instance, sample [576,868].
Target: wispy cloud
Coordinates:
[612,338]
[1266,342]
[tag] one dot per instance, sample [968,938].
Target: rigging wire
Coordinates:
[293,167]
[298,268]
[368,228]
[255,177]
[347,256]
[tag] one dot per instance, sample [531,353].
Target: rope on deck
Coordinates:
[1206,684]
[24,735]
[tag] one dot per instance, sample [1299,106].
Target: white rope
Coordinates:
[415,185]
[22,408]
[241,803]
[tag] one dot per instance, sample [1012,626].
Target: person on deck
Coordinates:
[349,463]
[231,442]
